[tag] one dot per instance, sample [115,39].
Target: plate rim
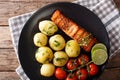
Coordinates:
[36,12]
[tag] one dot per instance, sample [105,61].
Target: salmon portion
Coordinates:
[73,30]
[64,23]
[90,44]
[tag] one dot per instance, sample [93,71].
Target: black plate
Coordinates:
[77,13]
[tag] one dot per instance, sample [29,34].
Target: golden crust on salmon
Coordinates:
[73,30]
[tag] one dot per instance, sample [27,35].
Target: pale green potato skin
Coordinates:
[48,27]
[44,55]
[72,48]
[40,39]
[60,58]
[47,70]
[57,42]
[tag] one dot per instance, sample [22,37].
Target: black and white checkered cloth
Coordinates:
[106,11]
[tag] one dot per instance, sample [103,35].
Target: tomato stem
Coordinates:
[71,71]
[89,63]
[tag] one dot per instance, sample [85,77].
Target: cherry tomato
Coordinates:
[71,76]
[82,74]
[72,64]
[60,73]
[83,59]
[92,69]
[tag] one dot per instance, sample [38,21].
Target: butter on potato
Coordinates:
[47,70]
[44,55]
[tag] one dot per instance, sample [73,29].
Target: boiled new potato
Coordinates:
[40,39]
[72,48]
[47,70]
[44,55]
[60,58]
[57,42]
[48,27]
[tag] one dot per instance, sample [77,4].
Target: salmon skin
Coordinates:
[76,32]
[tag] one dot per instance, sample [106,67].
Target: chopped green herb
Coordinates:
[47,32]
[68,44]
[56,43]
[59,59]
[38,42]
[44,31]
[50,27]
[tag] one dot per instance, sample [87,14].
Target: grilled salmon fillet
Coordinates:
[73,30]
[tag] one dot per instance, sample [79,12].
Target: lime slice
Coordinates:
[98,46]
[99,56]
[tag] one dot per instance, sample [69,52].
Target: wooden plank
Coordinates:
[107,75]
[35,0]
[117,3]
[114,61]
[10,9]
[5,37]
[110,74]
[9,76]
[8,60]
[14,8]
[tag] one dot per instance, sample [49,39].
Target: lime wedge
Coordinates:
[98,46]
[99,56]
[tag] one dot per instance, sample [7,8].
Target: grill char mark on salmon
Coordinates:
[73,30]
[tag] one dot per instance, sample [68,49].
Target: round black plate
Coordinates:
[77,13]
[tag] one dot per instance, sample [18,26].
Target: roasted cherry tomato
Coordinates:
[92,69]
[72,64]
[82,74]
[71,76]
[60,73]
[83,59]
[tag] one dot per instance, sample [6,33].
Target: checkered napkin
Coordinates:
[106,11]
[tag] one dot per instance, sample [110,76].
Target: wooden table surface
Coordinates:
[8,59]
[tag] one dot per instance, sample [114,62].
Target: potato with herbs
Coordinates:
[57,42]
[47,70]
[40,39]
[44,55]
[60,58]
[48,27]
[72,48]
